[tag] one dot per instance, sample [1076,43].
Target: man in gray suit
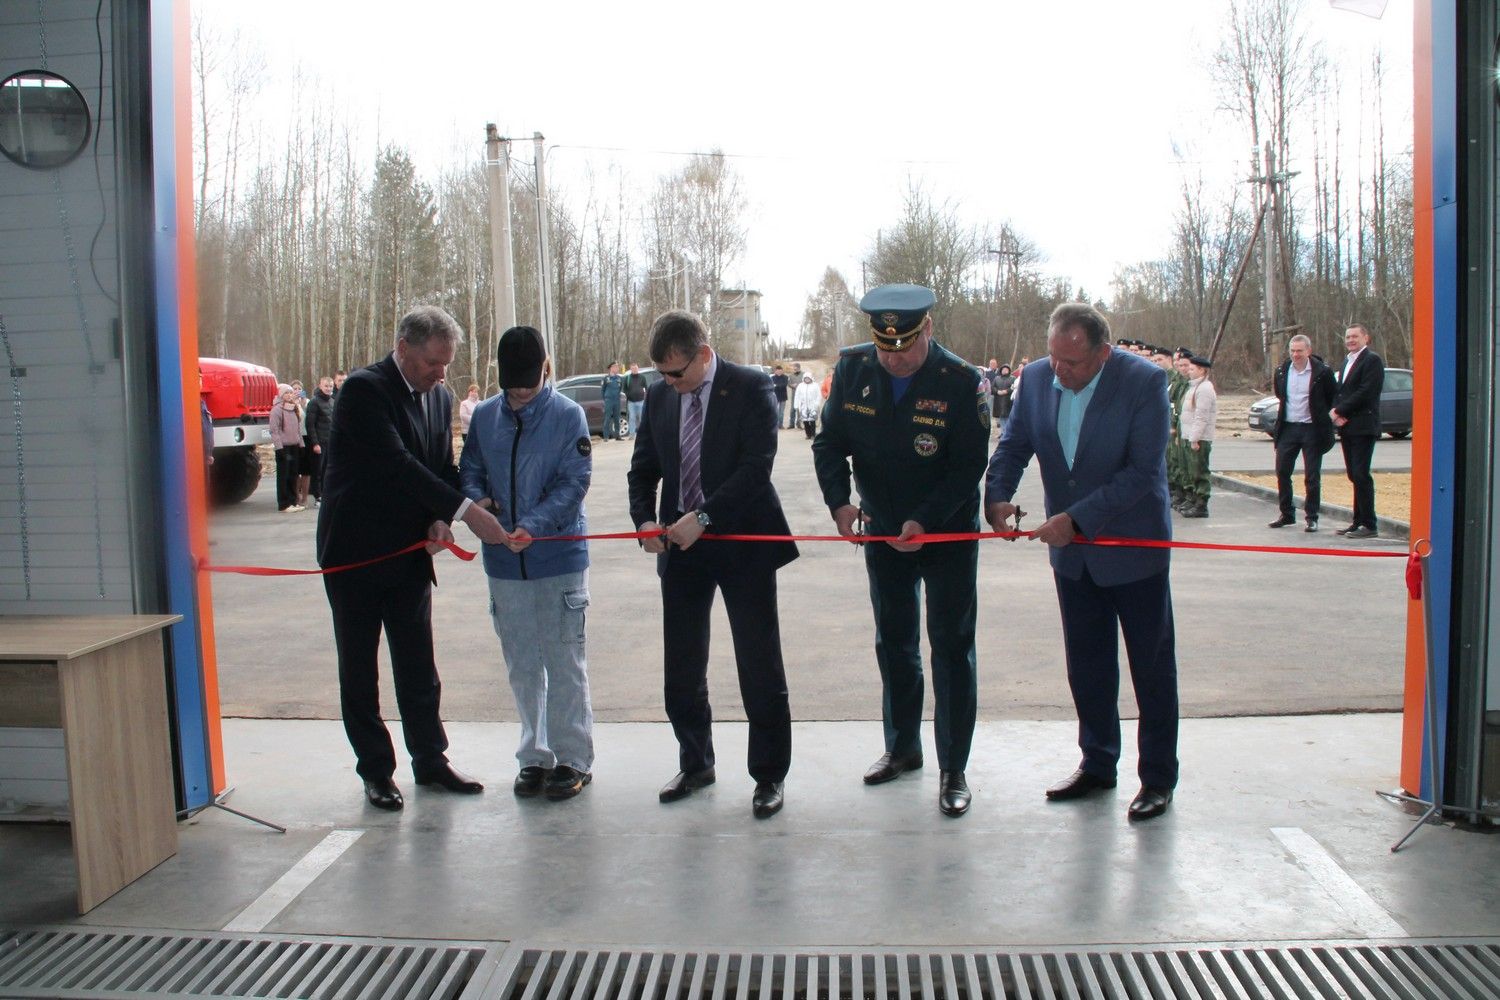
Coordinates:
[1096,420]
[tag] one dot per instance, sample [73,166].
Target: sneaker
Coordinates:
[296,508]
[565,782]
[529,782]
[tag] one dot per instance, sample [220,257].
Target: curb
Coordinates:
[1388,526]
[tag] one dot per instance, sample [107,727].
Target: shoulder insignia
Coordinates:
[585,447]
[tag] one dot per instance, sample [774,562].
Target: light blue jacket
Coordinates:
[536,465]
[1117,485]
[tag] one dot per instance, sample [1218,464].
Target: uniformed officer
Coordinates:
[915,420]
[1177,386]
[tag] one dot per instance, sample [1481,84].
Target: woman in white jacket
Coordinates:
[808,402]
[1200,408]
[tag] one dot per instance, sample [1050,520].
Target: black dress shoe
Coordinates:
[767,800]
[1361,532]
[1344,531]
[1077,785]
[1149,803]
[953,793]
[891,766]
[1312,526]
[529,781]
[382,793]
[451,778]
[1282,521]
[685,783]
[565,782]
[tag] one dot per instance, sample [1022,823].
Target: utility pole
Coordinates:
[497,167]
[544,254]
[1270,204]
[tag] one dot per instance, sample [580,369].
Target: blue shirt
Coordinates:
[1070,411]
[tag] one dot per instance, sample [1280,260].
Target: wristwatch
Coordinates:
[702,516]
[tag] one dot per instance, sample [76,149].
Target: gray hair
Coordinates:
[677,332]
[1303,338]
[1080,316]
[425,323]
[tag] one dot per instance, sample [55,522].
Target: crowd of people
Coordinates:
[901,444]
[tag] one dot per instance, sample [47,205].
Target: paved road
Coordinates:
[1256,633]
[1253,452]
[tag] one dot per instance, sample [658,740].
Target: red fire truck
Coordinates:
[239,397]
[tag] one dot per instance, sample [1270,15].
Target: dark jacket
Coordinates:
[1320,395]
[778,386]
[389,473]
[320,419]
[1358,397]
[919,459]
[739,448]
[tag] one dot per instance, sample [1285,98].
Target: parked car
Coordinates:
[587,391]
[1395,406]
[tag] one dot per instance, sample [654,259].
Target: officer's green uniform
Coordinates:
[1177,449]
[919,458]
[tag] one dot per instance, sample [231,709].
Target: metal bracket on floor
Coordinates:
[218,803]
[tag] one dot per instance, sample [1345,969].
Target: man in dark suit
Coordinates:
[1096,420]
[1304,426]
[390,481]
[1356,413]
[709,440]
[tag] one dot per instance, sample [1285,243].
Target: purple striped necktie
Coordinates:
[691,451]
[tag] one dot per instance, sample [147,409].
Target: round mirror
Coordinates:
[44,120]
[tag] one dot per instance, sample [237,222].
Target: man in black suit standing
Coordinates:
[1356,413]
[1304,425]
[709,440]
[390,481]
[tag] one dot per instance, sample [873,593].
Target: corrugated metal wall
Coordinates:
[65,544]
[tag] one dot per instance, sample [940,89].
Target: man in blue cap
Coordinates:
[915,421]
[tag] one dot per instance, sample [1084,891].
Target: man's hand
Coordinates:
[1194,445]
[438,532]
[317,449]
[1057,531]
[686,531]
[653,543]
[1338,419]
[518,540]
[844,519]
[909,529]
[1000,513]
[484,525]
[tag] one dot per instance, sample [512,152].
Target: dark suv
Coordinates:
[587,391]
[1395,406]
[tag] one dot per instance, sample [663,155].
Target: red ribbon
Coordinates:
[1413,566]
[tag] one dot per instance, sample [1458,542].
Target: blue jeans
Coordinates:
[634,411]
[541,628]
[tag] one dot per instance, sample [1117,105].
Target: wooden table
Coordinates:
[100,680]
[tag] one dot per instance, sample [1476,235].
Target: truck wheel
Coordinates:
[234,475]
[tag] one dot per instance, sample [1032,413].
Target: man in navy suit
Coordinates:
[390,481]
[1356,413]
[1096,420]
[708,439]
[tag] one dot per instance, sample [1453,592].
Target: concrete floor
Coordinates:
[842,865]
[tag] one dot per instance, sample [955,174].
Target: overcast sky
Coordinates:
[1060,117]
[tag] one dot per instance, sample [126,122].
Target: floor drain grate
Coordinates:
[1345,971]
[79,962]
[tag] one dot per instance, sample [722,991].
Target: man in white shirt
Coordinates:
[1305,386]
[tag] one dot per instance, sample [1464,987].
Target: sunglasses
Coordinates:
[679,372]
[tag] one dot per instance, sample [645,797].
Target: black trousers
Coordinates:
[1359,451]
[948,573]
[287,461]
[1093,617]
[364,601]
[1299,439]
[687,595]
[315,485]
